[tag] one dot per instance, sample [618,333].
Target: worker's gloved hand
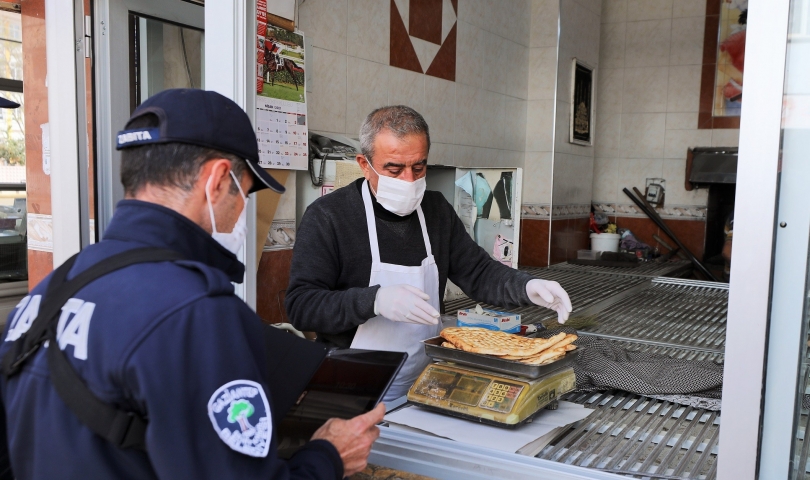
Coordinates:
[550,295]
[353,438]
[404,303]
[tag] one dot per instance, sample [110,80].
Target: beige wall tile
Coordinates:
[684,88]
[542,73]
[545,14]
[678,141]
[511,159]
[612,45]
[647,43]
[469,54]
[674,172]
[614,11]
[325,23]
[609,87]
[726,137]
[326,104]
[496,62]
[472,11]
[688,8]
[682,121]
[368,30]
[539,125]
[439,109]
[579,32]
[469,123]
[440,153]
[521,24]
[573,179]
[648,9]
[464,155]
[406,88]
[367,90]
[645,90]
[491,115]
[687,41]
[643,135]
[518,81]
[514,124]
[605,179]
[594,6]
[634,173]
[608,134]
[537,180]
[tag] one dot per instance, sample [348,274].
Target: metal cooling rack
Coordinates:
[586,290]
[640,437]
[647,269]
[677,313]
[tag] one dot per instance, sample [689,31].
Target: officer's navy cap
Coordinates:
[6,103]
[202,118]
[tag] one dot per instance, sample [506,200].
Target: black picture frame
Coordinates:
[581,125]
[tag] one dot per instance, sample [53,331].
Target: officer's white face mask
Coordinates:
[232,241]
[398,196]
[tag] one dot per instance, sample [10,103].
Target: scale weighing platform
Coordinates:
[485,396]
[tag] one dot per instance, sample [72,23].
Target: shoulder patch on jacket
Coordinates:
[240,414]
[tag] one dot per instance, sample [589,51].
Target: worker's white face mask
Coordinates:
[232,241]
[398,196]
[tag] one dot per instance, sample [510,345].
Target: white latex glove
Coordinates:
[404,303]
[550,295]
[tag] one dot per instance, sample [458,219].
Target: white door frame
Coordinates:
[754,217]
[230,58]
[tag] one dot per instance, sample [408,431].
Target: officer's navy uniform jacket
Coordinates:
[170,341]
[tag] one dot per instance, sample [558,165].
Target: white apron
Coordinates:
[379,333]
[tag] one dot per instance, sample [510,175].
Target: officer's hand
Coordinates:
[353,438]
[404,303]
[550,295]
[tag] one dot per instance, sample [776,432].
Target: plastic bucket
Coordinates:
[605,242]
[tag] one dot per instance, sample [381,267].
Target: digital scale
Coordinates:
[486,396]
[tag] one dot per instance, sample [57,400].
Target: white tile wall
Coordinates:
[650,56]
[647,43]
[326,104]
[540,126]
[406,88]
[439,109]
[537,173]
[325,22]
[369,20]
[367,89]
[544,19]
[542,72]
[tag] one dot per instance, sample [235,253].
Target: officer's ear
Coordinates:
[215,178]
[364,165]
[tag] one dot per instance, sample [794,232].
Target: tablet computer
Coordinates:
[347,383]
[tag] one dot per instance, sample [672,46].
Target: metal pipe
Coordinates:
[663,226]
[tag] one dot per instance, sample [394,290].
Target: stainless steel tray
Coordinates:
[434,350]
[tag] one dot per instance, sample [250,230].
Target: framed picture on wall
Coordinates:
[721,84]
[581,129]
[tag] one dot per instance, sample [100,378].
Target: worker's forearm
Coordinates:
[327,311]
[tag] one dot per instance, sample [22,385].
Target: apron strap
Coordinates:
[371,224]
[425,236]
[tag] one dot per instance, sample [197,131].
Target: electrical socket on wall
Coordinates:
[655,190]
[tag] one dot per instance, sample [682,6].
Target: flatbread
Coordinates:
[569,339]
[547,343]
[448,345]
[545,357]
[490,342]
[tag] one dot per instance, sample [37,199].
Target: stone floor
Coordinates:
[374,472]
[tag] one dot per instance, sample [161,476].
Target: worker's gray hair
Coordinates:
[398,119]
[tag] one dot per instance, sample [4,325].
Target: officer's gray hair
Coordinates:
[400,120]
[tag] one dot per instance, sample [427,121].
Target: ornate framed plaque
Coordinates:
[582,103]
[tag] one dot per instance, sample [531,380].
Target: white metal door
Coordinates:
[112,76]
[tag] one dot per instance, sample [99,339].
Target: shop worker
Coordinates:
[165,342]
[371,260]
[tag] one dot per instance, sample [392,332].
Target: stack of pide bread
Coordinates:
[533,351]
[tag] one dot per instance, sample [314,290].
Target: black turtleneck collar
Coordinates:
[158,226]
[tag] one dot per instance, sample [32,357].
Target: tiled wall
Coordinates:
[478,120]
[548,152]
[648,99]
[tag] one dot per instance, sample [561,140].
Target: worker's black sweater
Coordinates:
[329,290]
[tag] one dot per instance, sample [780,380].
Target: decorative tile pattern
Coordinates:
[423,36]
[544,211]
[535,211]
[685,212]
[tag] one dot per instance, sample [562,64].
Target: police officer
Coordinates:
[168,341]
